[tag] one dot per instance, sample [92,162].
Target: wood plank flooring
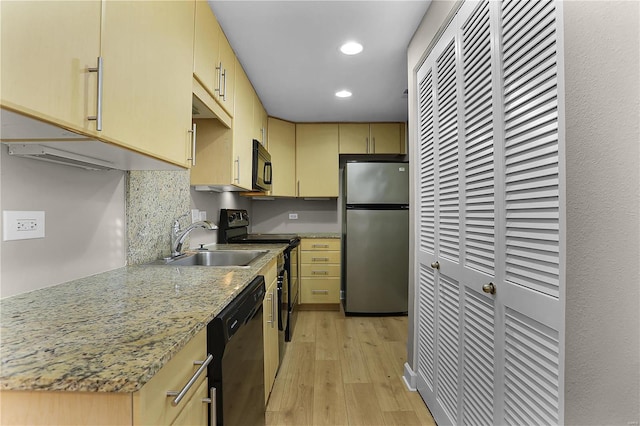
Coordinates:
[345,371]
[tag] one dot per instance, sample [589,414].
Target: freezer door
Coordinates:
[377,183]
[376,261]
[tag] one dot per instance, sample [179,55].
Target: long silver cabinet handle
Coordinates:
[319,291]
[192,380]
[274,313]
[270,299]
[319,259]
[213,408]
[98,117]
[237,179]
[219,89]
[367,140]
[193,144]
[224,85]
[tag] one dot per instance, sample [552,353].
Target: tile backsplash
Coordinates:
[154,199]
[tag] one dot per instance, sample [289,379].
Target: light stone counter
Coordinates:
[113,331]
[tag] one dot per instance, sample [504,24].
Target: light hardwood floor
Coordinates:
[345,371]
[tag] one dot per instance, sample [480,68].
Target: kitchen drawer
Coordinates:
[320,270]
[196,411]
[320,257]
[320,244]
[151,405]
[320,290]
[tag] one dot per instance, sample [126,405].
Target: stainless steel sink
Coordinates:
[216,258]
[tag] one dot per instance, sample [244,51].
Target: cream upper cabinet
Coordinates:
[242,128]
[354,138]
[148,61]
[260,119]
[214,60]
[373,138]
[317,160]
[282,147]
[386,138]
[206,48]
[47,48]
[146,51]
[227,67]
[223,155]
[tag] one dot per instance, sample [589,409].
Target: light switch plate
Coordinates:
[22,225]
[293,216]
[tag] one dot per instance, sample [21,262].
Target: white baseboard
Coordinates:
[409,378]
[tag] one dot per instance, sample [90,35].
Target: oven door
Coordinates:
[283,309]
[262,168]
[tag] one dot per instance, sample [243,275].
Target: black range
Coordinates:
[233,229]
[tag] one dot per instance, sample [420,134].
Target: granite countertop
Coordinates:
[113,331]
[319,234]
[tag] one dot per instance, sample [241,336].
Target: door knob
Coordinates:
[435,265]
[489,288]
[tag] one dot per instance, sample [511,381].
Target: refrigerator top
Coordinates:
[376,183]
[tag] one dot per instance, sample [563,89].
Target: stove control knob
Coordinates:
[245,215]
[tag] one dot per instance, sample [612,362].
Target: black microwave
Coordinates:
[262,169]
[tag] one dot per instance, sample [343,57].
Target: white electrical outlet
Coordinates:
[22,225]
[293,216]
[195,215]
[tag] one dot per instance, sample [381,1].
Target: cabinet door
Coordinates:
[228,65]
[282,147]
[354,138]
[271,343]
[46,50]
[385,138]
[148,65]
[317,160]
[206,49]
[259,120]
[242,130]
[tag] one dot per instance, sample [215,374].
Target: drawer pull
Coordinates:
[319,259]
[319,291]
[320,245]
[192,380]
[319,272]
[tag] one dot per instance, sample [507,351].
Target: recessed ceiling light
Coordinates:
[343,94]
[351,48]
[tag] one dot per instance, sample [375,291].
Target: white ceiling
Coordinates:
[290,51]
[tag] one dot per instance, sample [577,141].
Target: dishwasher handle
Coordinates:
[192,380]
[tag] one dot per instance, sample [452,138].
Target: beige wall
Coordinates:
[602,159]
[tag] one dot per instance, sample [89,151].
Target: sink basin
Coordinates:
[217,258]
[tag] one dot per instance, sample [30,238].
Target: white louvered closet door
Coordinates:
[531,290]
[490,216]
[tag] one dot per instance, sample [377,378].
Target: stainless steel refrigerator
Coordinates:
[375,238]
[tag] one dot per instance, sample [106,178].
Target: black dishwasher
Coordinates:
[236,374]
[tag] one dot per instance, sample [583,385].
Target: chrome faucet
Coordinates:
[178,235]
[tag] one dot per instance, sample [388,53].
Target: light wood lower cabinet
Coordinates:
[148,406]
[320,271]
[270,328]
